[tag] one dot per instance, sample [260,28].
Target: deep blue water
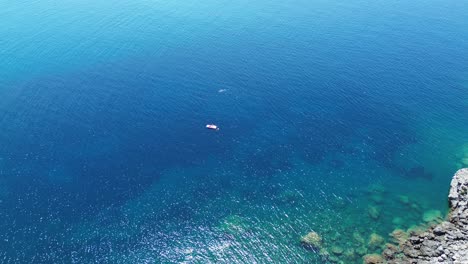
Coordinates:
[104,157]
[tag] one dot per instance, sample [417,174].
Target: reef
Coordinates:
[445,241]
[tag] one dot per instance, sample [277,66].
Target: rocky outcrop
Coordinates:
[446,242]
[312,240]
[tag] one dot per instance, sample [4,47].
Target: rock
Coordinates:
[439,231]
[411,252]
[349,254]
[415,240]
[324,253]
[458,189]
[358,238]
[337,250]
[312,239]
[374,212]
[429,248]
[333,259]
[415,230]
[375,241]
[390,251]
[403,199]
[373,259]
[443,242]
[361,251]
[399,236]
[432,216]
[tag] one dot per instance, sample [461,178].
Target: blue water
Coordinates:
[104,157]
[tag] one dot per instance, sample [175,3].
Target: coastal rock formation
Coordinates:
[446,242]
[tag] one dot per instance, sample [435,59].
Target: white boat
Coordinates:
[212,127]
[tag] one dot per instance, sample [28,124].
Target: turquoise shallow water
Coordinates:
[345,118]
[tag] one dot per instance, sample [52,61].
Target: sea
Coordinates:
[341,119]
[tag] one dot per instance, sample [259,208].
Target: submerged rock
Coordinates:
[399,236]
[432,216]
[390,251]
[373,259]
[375,241]
[415,230]
[358,238]
[349,254]
[312,239]
[403,199]
[373,212]
[337,250]
[361,251]
[324,253]
[334,259]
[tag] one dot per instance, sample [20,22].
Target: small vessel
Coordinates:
[212,127]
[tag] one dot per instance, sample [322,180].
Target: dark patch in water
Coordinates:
[267,162]
[418,172]
[337,164]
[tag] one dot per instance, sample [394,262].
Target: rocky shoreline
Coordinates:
[445,242]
